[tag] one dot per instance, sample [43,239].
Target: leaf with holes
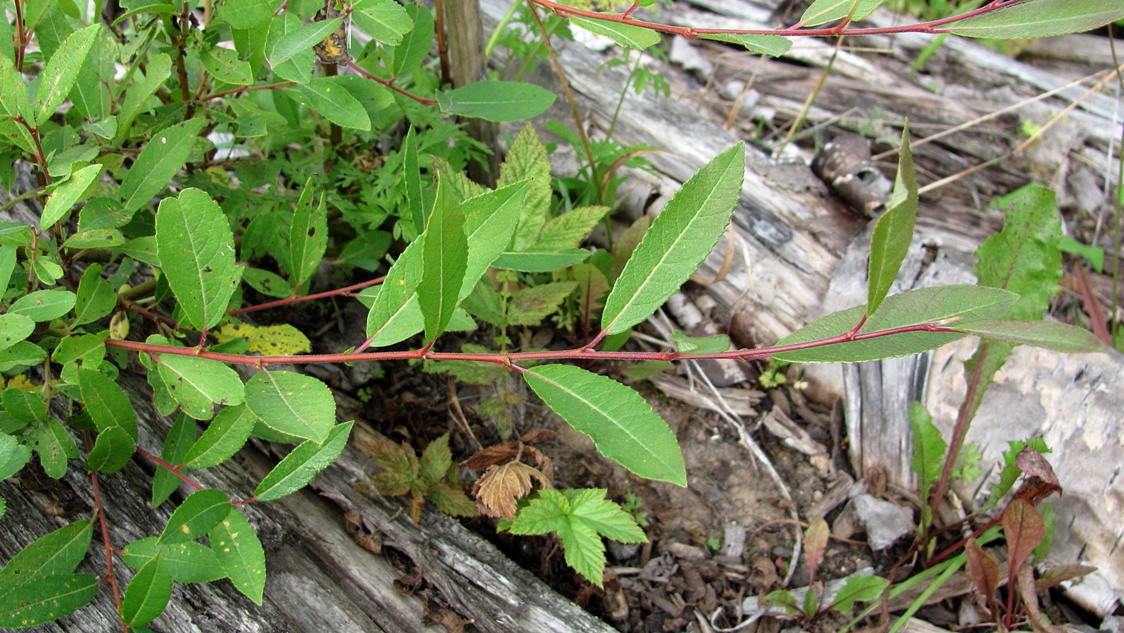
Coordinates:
[198,384]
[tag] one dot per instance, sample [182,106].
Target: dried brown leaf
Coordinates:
[1057,575]
[815,545]
[983,570]
[1030,603]
[492,455]
[501,486]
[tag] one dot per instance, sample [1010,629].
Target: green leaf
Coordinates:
[923,305]
[858,589]
[623,34]
[308,235]
[13,91]
[444,257]
[1094,254]
[95,296]
[1011,470]
[97,238]
[681,236]
[775,45]
[226,434]
[497,101]
[196,249]
[621,424]
[14,328]
[568,229]
[893,232]
[929,448]
[24,406]
[822,11]
[112,450]
[608,518]
[44,305]
[540,261]
[20,355]
[147,593]
[176,444]
[266,282]
[55,446]
[187,562]
[7,265]
[198,513]
[302,464]
[13,456]
[247,14]
[1054,336]
[330,98]
[225,65]
[200,383]
[527,160]
[158,163]
[56,553]
[46,599]
[409,55]
[138,98]
[65,195]
[61,71]
[411,179]
[241,554]
[384,20]
[529,306]
[303,38]
[292,403]
[107,403]
[700,344]
[1041,18]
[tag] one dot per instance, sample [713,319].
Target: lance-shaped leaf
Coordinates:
[176,444]
[822,11]
[1041,18]
[893,232]
[774,45]
[1024,530]
[300,39]
[411,178]
[56,553]
[158,163]
[626,35]
[241,554]
[187,562]
[679,239]
[497,101]
[308,235]
[858,589]
[62,70]
[196,516]
[923,305]
[983,570]
[620,422]
[198,384]
[196,249]
[1055,336]
[541,261]
[147,593]
[46,599]
[302,464]
[490,220]
[329,97]
[13,91]
[226,434]
[107,403]
[292,403]
[929,448]
[66,194]
[444,256]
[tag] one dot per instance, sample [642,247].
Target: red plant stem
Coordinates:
[509,358]
[841,29]
[172,468]
[389,83]
[21,36]
[442,44]
[959,431]
[107,542]
[223,93]
[319,295]
[40,157]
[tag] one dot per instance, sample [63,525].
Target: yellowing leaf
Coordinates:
[267,340]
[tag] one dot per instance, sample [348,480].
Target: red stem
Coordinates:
[223,93]
[172,468]
[319,295]
[389,83]
[107,542]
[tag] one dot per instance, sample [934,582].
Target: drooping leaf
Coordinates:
[861,588]
[1040,18]
[46,599]
[292,403]
[822,11]
[241,554]
[196,249]
[198,384]
[497,101]
[44,305]
[624,34]
[107,403]
[890,240]
[331,99]
[923,305]
[158,163]
[147,593]
[929,448]
[679,239]
[176,444]
[56,553]
[112,450]
[1054,336]
[226,434]
[61,71]
[444,257]
[197,515]
[302,464]
[66,194]
[983,570]
[620,422]
[774,45]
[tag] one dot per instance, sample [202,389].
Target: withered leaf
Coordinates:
[501,486]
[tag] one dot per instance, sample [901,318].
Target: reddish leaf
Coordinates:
[1024,529]
[1060,574]
[983,570]
[1030,603]
[815,544]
